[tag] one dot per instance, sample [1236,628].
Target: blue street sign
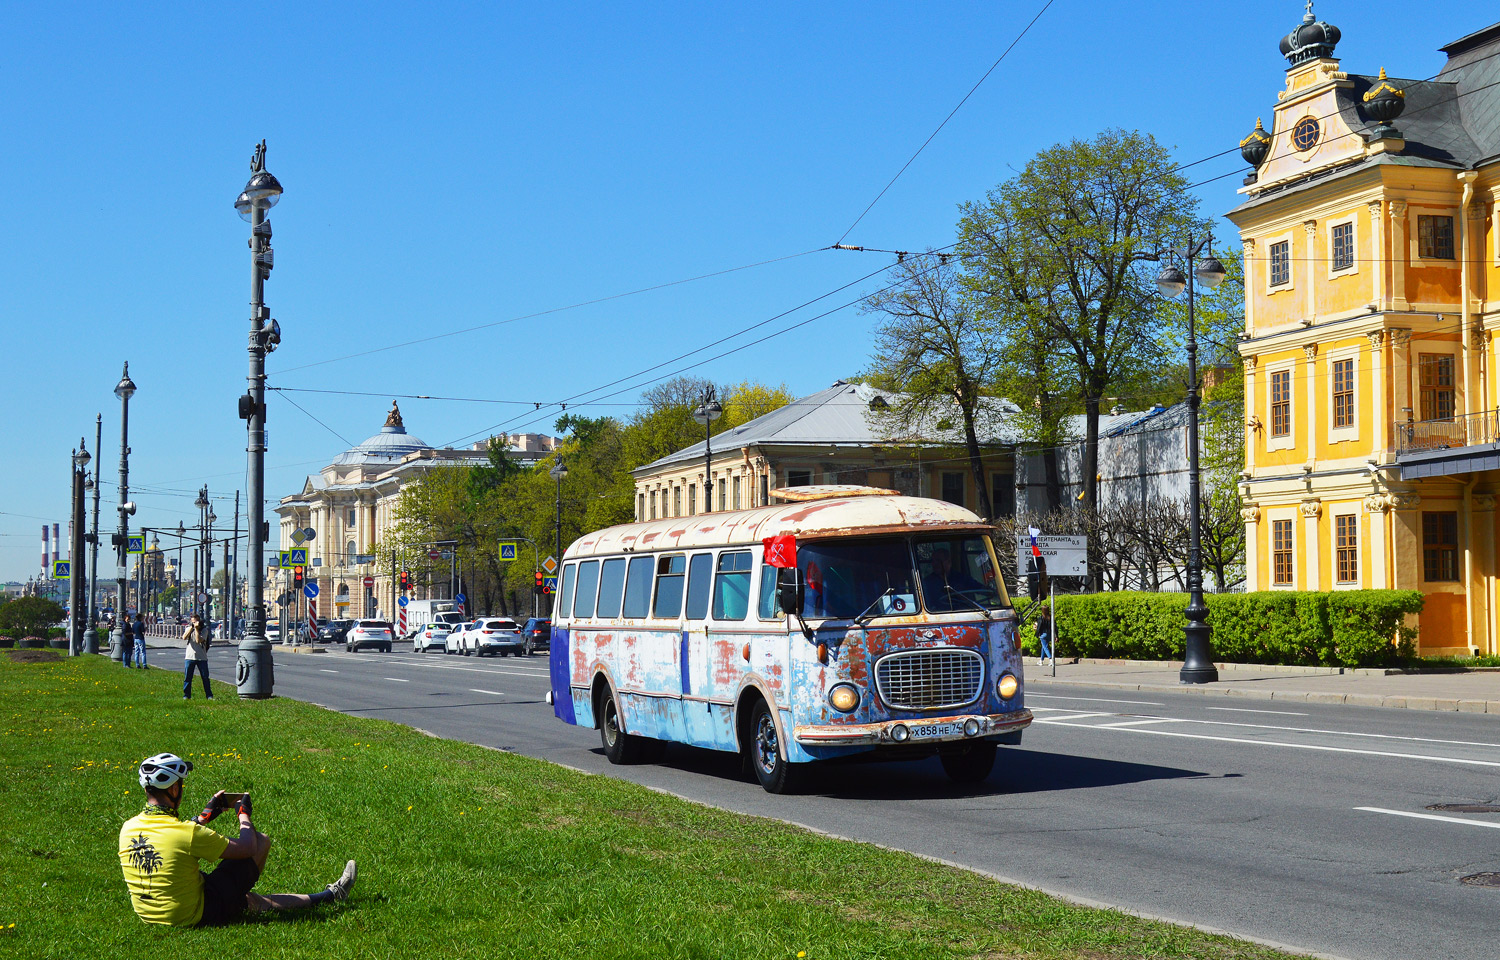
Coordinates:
[310,588]
[507,551]
[299,556]
[275,561]
[402,602]
[135,544]
[461,598]
[60,569]
[549,584]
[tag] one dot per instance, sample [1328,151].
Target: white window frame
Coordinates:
[1343,434]
[1289,441]
[1353,222]
[1291,269]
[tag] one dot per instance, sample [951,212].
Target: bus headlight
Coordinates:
[899,733]
[844,698]
[1007,686]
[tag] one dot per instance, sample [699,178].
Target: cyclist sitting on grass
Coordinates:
[160,855]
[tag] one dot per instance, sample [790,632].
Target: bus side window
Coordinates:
[732,586]
[700,570]
[769,609]
[565,601]
[611,585]
[588,588]
[670,574]
[638,588]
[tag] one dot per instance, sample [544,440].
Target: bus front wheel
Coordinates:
[970,765]
[619,746]
[773,771]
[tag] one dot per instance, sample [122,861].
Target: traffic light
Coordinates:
[1036,578]
[297,577]
[405,580]
[539,579]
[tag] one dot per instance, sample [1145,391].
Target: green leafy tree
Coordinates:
[29,616]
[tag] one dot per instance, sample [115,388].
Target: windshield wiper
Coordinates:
[966,599]
[865,615]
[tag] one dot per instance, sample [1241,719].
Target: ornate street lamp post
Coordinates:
[255,674]
[78,607]
[125,389]
[706,413]
[1198,662]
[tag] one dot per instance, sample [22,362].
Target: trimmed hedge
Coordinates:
[1348,628]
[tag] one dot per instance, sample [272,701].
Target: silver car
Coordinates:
[431,635]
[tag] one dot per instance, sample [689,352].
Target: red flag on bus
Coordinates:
[781,551]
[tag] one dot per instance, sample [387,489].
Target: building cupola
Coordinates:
[1312,40]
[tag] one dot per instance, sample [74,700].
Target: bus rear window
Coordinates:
[588,588]
[732,586]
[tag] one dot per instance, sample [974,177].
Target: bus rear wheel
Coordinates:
[773,771]
[619,747]
[970,765]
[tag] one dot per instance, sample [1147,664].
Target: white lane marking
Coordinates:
[397,680]
[1136,723]
[1297,746]
[1429,816]
[1074,716]
[1053,696]
[488,693]
[1284,713]
[1347,733]
[325,670]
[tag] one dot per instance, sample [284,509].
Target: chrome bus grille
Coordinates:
[928,679]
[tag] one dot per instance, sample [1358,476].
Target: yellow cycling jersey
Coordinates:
[159,855]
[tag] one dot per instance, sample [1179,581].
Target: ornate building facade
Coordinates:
[1372,299]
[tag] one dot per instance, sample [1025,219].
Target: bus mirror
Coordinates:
[789,590]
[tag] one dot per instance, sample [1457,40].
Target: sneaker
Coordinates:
[340,888]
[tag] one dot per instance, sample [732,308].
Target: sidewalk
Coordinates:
[1471,692]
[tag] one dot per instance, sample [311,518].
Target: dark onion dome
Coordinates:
[1256,145]
[1384,102]
[1313,39]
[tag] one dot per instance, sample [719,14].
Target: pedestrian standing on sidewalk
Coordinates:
[1044,631]
[140,640]
[127,641]
[195,654]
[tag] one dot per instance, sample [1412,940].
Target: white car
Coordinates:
[454,642]
[430,635]
[492,635]
[368,633]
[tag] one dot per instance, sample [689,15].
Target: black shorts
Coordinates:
[224,891]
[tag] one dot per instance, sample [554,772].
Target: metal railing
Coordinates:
[1465,430]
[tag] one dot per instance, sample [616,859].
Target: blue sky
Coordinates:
[452,166]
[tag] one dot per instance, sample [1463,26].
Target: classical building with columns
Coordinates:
[1372,297]
[351,506]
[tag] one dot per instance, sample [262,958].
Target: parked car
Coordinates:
[454,642]
[273,631]
[492,635]
[333,631]
[368,633]
[538,634]
[431,635]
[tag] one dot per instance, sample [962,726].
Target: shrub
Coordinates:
[1353,628]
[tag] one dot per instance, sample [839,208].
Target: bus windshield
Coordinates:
[847,578]
[958,573]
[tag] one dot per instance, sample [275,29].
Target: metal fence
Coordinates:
[1461,431]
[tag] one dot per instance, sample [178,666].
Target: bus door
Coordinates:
[704,717]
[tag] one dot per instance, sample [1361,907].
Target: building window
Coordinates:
[1343,246]
[799,478]
[953,487]
[1281,551]
[1281,403]
[1281,263]
[1435,237]
[692,499]
[736,493]
[1436,376]
[722,501]
[349,552]
[1440,545]
[765,489]
[1346,546]
[1002,495]
[640,506]
[653,504]
[676,501]
[1343,393]
[352,522]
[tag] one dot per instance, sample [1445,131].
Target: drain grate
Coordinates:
[1481,879]
[1465,807]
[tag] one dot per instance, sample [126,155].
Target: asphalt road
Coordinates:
[1307,826]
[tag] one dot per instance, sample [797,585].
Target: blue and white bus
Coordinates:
[891,637]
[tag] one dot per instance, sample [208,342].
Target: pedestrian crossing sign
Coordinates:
[507,551]
[294,558]
[60,569]
[134,544]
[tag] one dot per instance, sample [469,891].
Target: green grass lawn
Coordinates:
[463,851]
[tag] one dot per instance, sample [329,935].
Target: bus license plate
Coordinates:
[937,730]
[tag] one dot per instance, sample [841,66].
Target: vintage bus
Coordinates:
[892,635]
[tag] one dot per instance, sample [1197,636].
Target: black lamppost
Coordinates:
[125,389]
[200,560]
[707,411]
[558,471]
[177,600]
[261,193]
[1198,662]
[78,607]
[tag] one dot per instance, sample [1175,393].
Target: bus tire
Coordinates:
[763,748]
[971,765]
[619,747]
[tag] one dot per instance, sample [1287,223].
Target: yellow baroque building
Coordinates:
[1372,369]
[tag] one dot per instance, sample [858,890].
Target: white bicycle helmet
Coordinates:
[163,770]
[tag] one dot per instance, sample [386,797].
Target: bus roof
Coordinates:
[851,514]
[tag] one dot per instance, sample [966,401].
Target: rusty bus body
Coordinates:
[672,630]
